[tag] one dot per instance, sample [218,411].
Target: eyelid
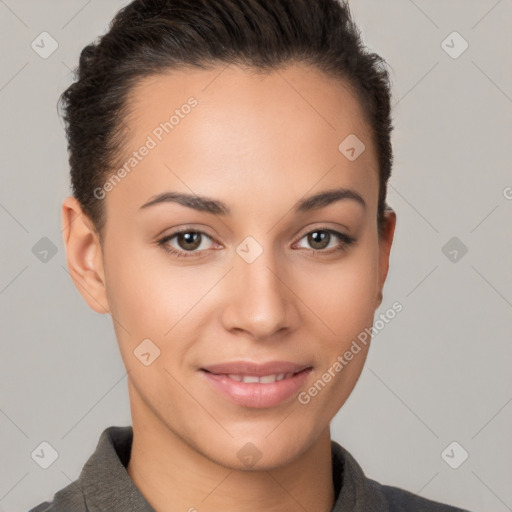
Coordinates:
[319,226]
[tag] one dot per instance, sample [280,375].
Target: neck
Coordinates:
[172,476]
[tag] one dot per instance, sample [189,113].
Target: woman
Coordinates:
[229,163]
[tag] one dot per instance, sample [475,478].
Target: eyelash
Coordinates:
[346,242]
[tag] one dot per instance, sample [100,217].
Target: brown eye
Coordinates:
[326,241]
[189,240]
[186,243]
[319,239]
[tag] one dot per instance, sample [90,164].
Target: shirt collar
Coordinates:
[358,493]
[106,484]
[107,487]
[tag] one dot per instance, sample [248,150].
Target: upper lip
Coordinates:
[256,369]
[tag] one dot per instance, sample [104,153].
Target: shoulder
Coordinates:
[400,500]
[362,494]
[67,499]
[103,478]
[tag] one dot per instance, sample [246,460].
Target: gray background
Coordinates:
[438,373]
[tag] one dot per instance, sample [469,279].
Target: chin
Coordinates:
[259,453]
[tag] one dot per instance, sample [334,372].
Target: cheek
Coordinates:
[346,306]
[344,296]
[155,299]
[148,295]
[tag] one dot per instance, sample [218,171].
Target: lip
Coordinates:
[258,369]
[255,394]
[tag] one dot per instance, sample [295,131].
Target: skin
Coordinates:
[259,145]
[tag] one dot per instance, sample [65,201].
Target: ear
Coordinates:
[385,243]
[84,255]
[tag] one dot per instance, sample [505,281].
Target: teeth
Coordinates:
[266,379]
[250,378]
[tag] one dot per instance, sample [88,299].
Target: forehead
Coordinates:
[230,127]
[231,92]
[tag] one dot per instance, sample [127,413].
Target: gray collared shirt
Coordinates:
[105,486]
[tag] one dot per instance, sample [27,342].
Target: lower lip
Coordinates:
[255,394]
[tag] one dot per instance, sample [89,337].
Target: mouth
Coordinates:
[266,379]
[257,385]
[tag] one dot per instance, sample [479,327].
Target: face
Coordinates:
[217,256]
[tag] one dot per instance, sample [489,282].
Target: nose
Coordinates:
[259,301]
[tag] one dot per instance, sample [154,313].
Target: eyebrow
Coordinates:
[209,205]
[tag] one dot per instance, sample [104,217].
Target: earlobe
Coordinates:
[84,255]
